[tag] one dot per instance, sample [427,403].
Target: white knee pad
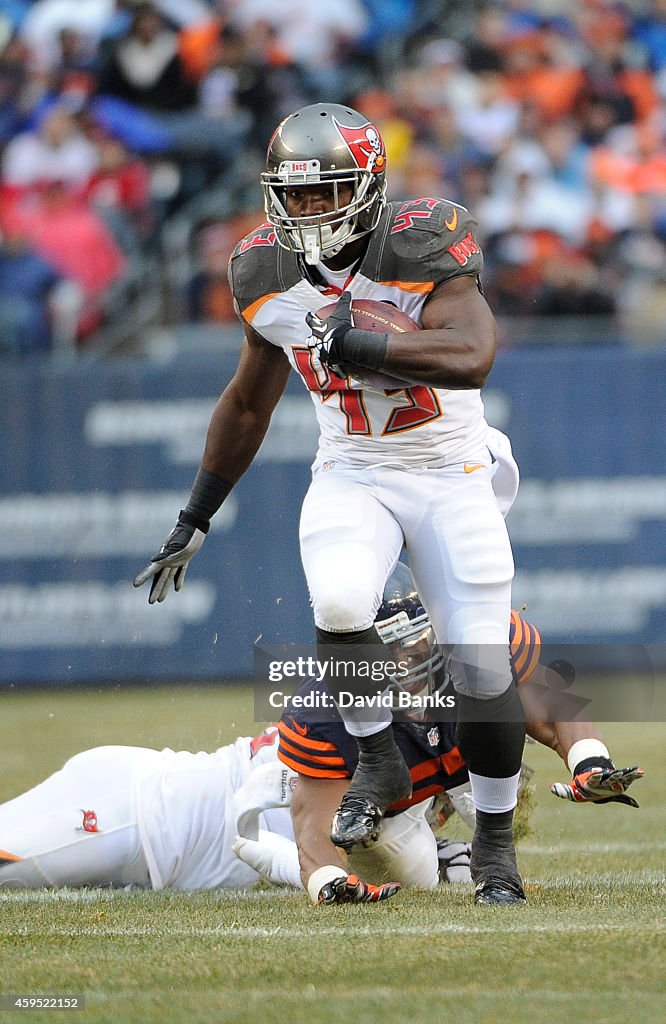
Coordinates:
[481,671]
[343,601]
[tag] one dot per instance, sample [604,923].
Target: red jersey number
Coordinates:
[422,402]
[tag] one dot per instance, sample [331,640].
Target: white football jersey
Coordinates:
[416,246]
[184,808]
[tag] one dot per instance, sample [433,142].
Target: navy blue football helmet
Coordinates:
[403,625]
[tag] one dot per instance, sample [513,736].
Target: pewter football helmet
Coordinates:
[325,142]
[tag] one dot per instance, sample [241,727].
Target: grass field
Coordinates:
[589,948]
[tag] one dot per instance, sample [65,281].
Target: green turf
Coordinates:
[588,949]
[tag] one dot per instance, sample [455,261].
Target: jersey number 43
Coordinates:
[421,403]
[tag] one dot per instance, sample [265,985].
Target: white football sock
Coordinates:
[494,796]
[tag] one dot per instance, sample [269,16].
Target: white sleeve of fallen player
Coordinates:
[272,856]
[463,801]
[272,785]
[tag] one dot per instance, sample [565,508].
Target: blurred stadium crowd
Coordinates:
[132,136]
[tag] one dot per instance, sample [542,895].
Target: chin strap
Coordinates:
[314,241]
[311,247]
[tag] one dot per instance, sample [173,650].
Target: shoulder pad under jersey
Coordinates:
[313,740]
[259,268]
[320,749]
[424,240]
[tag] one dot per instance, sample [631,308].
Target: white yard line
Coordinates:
[118,895]
[583,848]
[608,880]
[315,993]
[421,931]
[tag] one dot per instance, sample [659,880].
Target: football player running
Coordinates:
[407,465]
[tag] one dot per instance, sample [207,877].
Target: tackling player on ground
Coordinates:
[312,744]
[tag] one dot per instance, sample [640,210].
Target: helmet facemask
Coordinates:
[322,235]
[412,646]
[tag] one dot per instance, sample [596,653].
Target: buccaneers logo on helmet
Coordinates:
[366,146]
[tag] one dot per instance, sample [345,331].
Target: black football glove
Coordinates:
[328,335]
[351,889]
[171,561]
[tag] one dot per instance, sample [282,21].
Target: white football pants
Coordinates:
[47,826]
[355,521]
[405,852]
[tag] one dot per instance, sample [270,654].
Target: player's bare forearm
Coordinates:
[544,733]
[312,808]
[568,733]
[234,437]
[243,412]
[456,348]
[546,721]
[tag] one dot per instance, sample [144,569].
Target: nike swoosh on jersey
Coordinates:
[302,729]
[471,467]
[453,223]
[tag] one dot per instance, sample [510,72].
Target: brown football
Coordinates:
[382,317]
[371,315]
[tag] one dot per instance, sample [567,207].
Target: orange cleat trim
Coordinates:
[9,857]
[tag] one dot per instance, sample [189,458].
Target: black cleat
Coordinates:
[494,869]
[499,892]
[378,782]
[356,821]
